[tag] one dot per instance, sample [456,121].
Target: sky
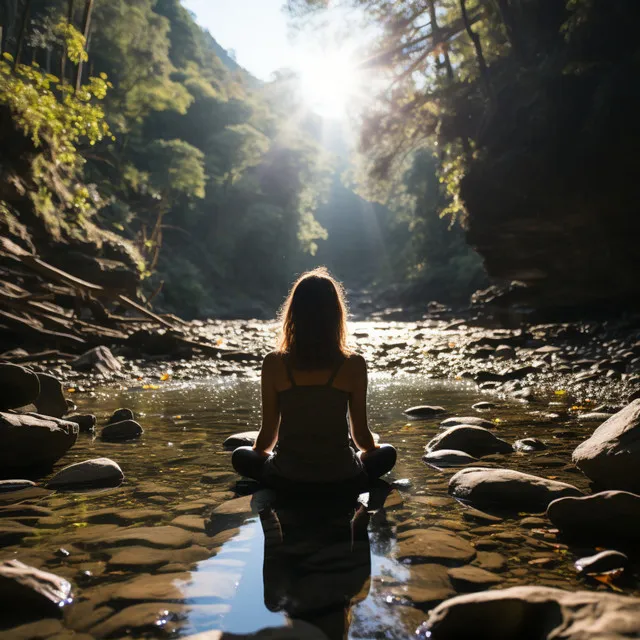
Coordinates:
[256,30]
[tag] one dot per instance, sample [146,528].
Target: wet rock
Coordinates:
[138,557]
[602,562]
[118,431]
[217,477]
[166,537]
[475,441]
[147,489]
[33,441]
[475,515]
[125,516]
[608,515]
[12,532]
[421,546]
[189,522]
[15,485]
[507,489]
[448,458]
[484,405]
[120,415]
[18,386]
[48,628]
[505,352]
[525,395]
[50,400]
[471,421]
[29,590]
[472,578]
[594,416]
[611,456]
[487,376]
[86,422]
[150,617]
[244,439]
[99,472]
[424,411]
[529,444]
[98,360]
[535,613]
[491,561]
[428,585]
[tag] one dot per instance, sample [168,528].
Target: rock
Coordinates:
[99,359]
[594,416]
[507,489]
[112,515]
[138,557]
[147,489]
[15,485]
[475,515]
[608,515]
[475,441]
[50,400]
[487,376]
[491,561]
[163,537]
[18,386]
[534,613]
[244,439]
[484,405]
[99,472]
[12,532]
[448,458]
[611,456]
[86,422]
[505,352]
[529,444]
[32,441]
[125,430]
[120,415]
[602,562]
[470,578]
[427,586]
[424,411]
[525,395]
[29,590]
[433,545]
[522,372]
[471,421]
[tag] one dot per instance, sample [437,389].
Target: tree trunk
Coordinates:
[63,60]
[477,45]
[513,32]
[86,28]
[24,21]
[435,30]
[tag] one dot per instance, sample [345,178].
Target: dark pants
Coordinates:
[376,463]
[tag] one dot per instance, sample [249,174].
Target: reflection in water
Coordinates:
[317,560]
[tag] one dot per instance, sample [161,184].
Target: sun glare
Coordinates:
[329,83]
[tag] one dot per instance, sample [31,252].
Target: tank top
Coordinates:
[313,439]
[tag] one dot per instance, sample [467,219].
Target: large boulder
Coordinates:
[603,516]
[32,441]
[99,359]
[50,400]
[611,456]
[476,441]
[18,386]
[507,489]
[99,472]
[534,613]
[24,589]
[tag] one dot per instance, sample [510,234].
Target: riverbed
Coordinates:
[183,546]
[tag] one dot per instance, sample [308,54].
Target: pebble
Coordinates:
[602,562]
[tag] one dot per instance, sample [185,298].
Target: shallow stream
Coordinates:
[331,565]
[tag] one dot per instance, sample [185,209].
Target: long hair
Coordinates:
[314,321]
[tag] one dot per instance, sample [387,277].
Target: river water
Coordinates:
[257,563]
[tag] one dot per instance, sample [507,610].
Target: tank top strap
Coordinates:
[287,366]
[335,372]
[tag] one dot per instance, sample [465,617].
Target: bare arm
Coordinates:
[268,435]
[358,408]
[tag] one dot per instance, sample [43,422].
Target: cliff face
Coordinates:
[552,193]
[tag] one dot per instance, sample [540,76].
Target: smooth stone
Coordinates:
[448,458]
[424,411]
[120,415]
[472,421]
[189,522]
[32,441]
[484,405]
[475,441]
[124,516]
[150,488]
[490,561]
[99,359]
[244,439]
[150,615]
[507,489]
[99,472]
[39,630]
[161,536]
[86,421]
[601,516]
[535,613]
[15,485]
[119,431]
[471,578]
[594,416]
[12,532]
[504,352]
[50,400]
[27,589]
[433,545]
[18,386]
[602,562]
[529,444]
[611,456]
[475,515]
[137,557]
[427,586]
[217,477]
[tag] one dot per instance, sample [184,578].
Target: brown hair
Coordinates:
[314,321]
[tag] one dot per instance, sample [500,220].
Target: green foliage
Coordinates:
[175,165]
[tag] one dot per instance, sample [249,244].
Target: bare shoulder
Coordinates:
[272,361]
[356,364]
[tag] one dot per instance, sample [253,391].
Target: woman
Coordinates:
[308,386]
